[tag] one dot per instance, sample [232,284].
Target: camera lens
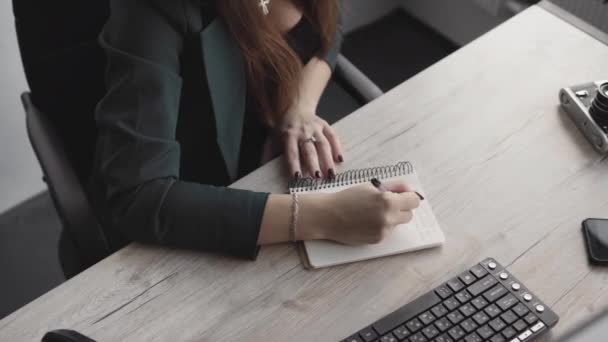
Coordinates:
[599,107]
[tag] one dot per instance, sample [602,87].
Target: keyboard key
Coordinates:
[430,331]
[480,318]
[451,303]
[478,271]
[479,302]
[467,310]
[492,310]
[507,301]
[368,334]
[354,338]
[463,296]
[407,312]
[521,310]
[468,325]
[455,284]
[443,324]
[473,338]
[485,332]
[414,325]
[498,338]
[509,332]
[418,338]
[467,278]
[388,338]
[444,292]
[497,324]
[509,317]
[538,326]
[530,318]
[456,332]
[444,338]
[439,310]
[482,285]
[520,325]
[455,317]
[426,318]
[495,293]
[524,335]
[401,332]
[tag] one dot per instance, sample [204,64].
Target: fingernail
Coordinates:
[419,195]
[341,159]
[317,174]
[297,175]
[331,173]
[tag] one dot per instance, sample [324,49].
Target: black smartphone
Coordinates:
[596,239]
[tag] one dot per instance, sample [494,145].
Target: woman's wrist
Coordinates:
[303,108]
[315,218]
[313,221]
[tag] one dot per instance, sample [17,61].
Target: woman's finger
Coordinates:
[292,155]
[309,156]
[404,217]
[334,142]
[326,160]
[397,186]
[408,201]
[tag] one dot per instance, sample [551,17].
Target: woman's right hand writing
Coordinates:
[365,215]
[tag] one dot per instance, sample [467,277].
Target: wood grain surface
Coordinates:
[507,173]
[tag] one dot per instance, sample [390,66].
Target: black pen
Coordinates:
[378,185]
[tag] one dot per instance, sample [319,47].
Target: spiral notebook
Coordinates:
[422,232]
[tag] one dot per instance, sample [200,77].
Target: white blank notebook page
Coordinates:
[422,232]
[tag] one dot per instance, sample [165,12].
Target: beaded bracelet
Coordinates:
[295,211]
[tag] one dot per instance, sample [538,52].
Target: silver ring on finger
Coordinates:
[312,140]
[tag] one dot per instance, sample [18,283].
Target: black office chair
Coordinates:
[64,67]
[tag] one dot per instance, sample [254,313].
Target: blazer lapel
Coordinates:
[224,65]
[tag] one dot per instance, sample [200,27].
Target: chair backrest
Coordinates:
[65,67]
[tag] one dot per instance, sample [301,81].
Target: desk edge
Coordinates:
[574,20]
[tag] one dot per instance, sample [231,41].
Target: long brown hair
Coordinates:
[273,68]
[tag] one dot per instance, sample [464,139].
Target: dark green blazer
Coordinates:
[170,129]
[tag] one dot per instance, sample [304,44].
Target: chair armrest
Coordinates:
[349,77]
[65,189]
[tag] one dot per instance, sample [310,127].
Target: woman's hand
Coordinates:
[356,216]
[364,215]
[311,145]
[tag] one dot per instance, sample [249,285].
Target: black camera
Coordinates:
[587,106]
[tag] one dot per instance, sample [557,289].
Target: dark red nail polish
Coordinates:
[317,174]
[331,174]
[341,159]
[297,175]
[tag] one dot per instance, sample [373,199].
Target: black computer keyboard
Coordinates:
[484,303]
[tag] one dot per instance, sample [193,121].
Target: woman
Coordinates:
[196,90]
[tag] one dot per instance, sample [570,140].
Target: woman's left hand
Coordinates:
[311,145]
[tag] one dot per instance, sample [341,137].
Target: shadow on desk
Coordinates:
[578,139]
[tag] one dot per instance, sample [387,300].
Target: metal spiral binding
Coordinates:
[351,177]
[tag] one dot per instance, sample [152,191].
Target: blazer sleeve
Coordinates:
[137,156]
[334,50]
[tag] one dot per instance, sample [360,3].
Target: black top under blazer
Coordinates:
[170,129]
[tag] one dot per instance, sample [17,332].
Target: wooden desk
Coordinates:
[507,173]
